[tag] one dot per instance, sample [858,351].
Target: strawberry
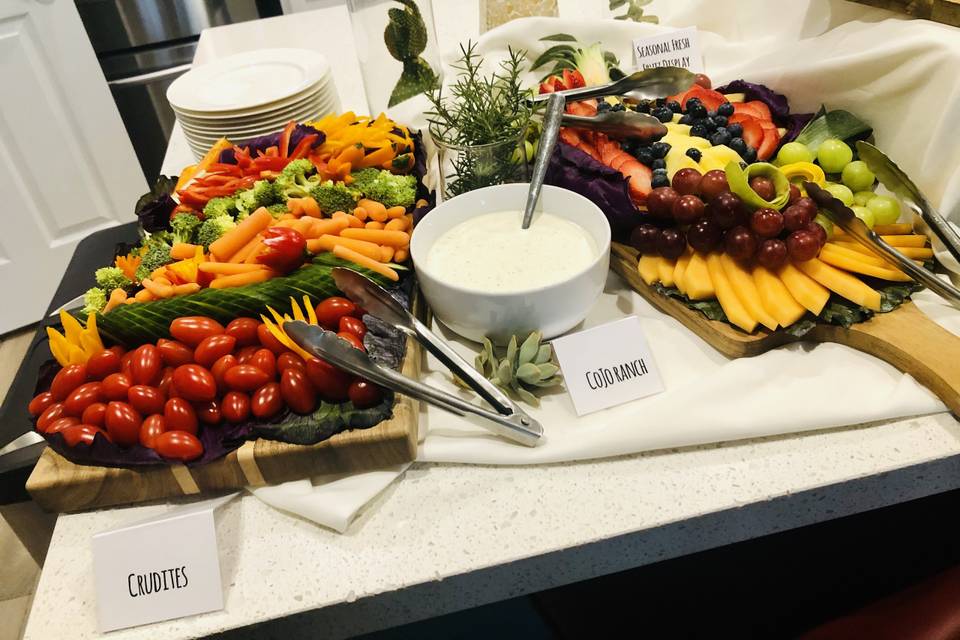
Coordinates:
[762,108]
[753,133]
[771,140]
[750,109]
[546,86]
[710,98]
[573,79]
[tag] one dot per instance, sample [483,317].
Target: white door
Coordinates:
[67,167]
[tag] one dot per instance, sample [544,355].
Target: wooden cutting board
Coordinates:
[905,337]
[60,485]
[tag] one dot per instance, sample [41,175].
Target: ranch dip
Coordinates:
[491,253]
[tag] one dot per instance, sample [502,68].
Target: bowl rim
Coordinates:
[603,252]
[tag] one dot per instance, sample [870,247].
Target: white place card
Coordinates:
[158,569]
[607,365]
[679,48]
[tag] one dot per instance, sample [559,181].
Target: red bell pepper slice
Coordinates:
[285,138]
[304,147]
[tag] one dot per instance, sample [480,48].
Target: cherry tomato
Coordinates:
[235,407]
[115,386]
[330,383]
[332,309]
[267,401]
[68,379]
[269,341]
[166,383]
[82,397]
[85,433]
[94,414]
[298,391]
[102,364]
[40,402]
[146,400]
[352,339]
[174,353]
[245,377]
[349,324]
[195,383]
[123,423]
[152,427]
[180,415]
[51,413]
[60,424]
[245,353]
[213,348]
[117,349]
[220,367]
[290,360]
[244,330]
[264,360]
[145,365]
[208,412]
[178,445]
[191,330]
[125,363]
[364,394]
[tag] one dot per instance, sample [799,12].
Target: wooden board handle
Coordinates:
[911,342]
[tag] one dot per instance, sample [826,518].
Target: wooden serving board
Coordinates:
[60,485]
[904,337]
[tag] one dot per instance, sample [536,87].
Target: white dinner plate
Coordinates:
[323,88]
[204,135]
[259,123]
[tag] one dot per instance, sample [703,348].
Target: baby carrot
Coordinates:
[374,209]
[303,224]
[353,220]
[257,250]
[241,279]
[310,207]
[182,250]
[399,255]
[373,224]
[244,251]
[287,217]
[227,268]
[117,296]
[158,290]
[386,254]
[143,295]
[130,300]
[395,212]
[186,289]
[332,226]
[378,236]
[286,222]
[360,213]
[162,280]
[293,204]
[328,242]
[397,224]
[358,258]
[233,240]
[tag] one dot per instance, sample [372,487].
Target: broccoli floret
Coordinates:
[334,196]
[297,170]
[277,210]
[293,181]
[387,188]
[155,254]
[184,227]
[110,278]
[94,300]
[142,273]
[262,194]
[212,228]
[223,206]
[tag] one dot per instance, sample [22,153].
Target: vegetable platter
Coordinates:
[177,375]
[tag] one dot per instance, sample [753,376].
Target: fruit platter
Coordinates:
[179,356]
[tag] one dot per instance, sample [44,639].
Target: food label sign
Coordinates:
[680,48]
[163,568]
[607,365]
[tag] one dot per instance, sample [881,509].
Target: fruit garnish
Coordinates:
[739,181]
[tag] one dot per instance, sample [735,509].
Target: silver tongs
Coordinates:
[844,217]
[648,84]
[508,419]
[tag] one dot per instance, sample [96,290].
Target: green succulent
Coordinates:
[406,38]
[523,369]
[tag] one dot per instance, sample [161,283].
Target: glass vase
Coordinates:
[464,168]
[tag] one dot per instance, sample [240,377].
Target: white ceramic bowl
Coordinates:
[552,309]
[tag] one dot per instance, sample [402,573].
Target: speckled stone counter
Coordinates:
[444,538]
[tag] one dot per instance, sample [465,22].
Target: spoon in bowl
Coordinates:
[548,140]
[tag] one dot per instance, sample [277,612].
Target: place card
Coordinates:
[679,48]
[607,365]
[158,569]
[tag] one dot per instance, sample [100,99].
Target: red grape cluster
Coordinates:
[701,210]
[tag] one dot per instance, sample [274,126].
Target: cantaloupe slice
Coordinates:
[746,290]
[915,240]
[918,254]
[649,269]
[842,259]
[729,300]
[666,267]
[895,229]
[866,257]
[804,289]
[696,278]
[679,270]
[776,298]
[841,283]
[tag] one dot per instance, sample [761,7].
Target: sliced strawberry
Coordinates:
[546,87]
[752,129]
[573,79]
[748,108]
[771,140]
[710,98]
[582,108]
[762,108]
[640,177]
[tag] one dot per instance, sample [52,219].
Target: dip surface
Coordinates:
[491,253]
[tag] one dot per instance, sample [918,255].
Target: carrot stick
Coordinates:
[310,207]
[374,209]
[386,254]
[158,290]
[143,295]
[182,250]
[227,268]
[396,212]
[360,213]
[186,289]
[328,242]
[373,224]
[117,296]
[241,279]
[358,258]
[399,255]
[233,240]
[378,236]
[397,224]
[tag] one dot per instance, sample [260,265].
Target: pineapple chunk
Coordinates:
[746,290]
[666,267]
[776,298]
[696,278]
[735,97]
[840,258]
[736,312]
[649,269]
[718,158]
[842,283]
[804,289]
[679,270]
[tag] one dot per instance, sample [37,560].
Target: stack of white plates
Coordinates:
[251,94]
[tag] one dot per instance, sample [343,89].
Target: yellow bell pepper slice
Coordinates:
[71,327]
[311,312]
[804,171]
[59,346]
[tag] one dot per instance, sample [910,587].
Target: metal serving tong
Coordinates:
[640,85]
[509,420]
[844,217]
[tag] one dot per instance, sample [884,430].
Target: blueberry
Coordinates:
[685,119]
[709,123]
[699,130]
[711,113]
[642,107]
[735,130]
[660,102]
[750,155]
[720,121]
[663,114]
[726,109]
[660,180]
[738,145]
[693,102]
[618,107]
[694,154]
[660,149]
[603,106]
[696,110]
[659,163]
[674,106]
[645,156]
[720,137]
